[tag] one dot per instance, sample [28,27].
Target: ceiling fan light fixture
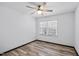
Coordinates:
[39,12]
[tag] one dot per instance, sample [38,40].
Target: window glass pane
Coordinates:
[43,26]
[52,28]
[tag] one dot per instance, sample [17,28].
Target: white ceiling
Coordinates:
[57,7]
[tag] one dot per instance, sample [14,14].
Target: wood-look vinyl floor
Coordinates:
[40,48]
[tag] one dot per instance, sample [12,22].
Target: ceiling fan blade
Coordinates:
[49,10]
[30,7]
[44,3]
[32,12]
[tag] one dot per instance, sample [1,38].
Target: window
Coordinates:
[48,28]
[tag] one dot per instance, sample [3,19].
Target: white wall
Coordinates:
[65,29]
[77,30]
[15,29]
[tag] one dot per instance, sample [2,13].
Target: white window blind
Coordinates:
[48,28]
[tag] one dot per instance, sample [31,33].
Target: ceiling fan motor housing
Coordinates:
[39,6]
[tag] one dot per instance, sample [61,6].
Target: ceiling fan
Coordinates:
[40,8]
